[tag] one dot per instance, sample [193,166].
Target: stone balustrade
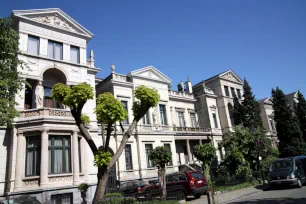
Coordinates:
[45,113]
[191,129]
[181,94]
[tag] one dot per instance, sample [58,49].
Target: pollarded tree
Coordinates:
[109,111]
[251,109]
[10,80]
[291,142]
[300,111]
[161,156]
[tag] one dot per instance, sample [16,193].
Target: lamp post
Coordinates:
[262,175]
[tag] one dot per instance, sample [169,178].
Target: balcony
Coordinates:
[45,114]
[191,129]
[178,94]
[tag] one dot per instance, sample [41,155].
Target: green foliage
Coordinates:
[300,111]
[247,113]
[109,109]
[112,195]
[291,142]
[102,158]
[233,187]
[160,156]
[147,98]
[83,187]
[10,80]
[85,119]
[74,96]
[206,154]
[267,162]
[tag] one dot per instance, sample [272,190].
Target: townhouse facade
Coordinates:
[45,155]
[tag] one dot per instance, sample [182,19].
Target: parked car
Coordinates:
[290,171]
[131,188]
[25,199]
[188,183]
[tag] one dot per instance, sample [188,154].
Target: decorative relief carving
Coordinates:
[31,182]
[31,114]
[59,113]
[56,21]
[230,76]
[60,179]
[213,107]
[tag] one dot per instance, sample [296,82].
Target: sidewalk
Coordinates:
[226,197]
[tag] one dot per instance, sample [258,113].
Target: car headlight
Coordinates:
[292,176]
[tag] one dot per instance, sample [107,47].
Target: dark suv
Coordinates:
[190,182]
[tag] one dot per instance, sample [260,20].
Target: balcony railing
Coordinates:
[191,129]
[181,94]
[45,113]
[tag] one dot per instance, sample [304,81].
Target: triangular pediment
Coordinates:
[152,73]
[55,18]
[230,76]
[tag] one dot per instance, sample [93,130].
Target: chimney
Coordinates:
[188,86]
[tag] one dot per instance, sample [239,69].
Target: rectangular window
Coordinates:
[238,93]
[146,119]
[55,50]
[215,120]
[128,157]
[233,92]
[59,154]
[32,156]
[33,45]
[148,149]
[226,90]
[66,198]
[125,106]
[272,124]
[168,146]
[74,55]
[193,120]
[80,157]
[162,111]
[181,119]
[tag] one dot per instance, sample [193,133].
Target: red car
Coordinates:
[189,182]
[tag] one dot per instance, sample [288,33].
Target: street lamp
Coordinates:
[260,167]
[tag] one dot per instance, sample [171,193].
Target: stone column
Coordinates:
[138,156]
[200,141]
[188,151]
[84,159]
[44,159]
[20,159]
[76,169]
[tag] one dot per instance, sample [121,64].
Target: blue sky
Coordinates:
[264,41]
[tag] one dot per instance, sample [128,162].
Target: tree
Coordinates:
[10,80]
[247,113]
[109,111]
[290,137]
[238,112]
[205,153]
[161,156]
[300,111]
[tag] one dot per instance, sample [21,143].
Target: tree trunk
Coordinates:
[101,186]
[163,184]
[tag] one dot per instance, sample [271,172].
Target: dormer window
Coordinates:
[55,50]
[33,45]
[75,55]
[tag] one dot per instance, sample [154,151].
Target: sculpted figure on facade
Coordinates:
[39,95]
[180,86]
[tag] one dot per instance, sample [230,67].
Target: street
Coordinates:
[279,196]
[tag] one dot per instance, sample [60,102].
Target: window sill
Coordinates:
[150,168]
[59,175]
[30,177]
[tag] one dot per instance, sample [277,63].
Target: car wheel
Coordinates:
[181,195]
[299,183]
[148,195]
[197,196]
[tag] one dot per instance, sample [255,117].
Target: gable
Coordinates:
[55,18]
[152,73]
[231,76]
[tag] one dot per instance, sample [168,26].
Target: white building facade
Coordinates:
[46,156]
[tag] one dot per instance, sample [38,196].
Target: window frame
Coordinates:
[226,91]
[233,92]
[214,115]
[125,102]
[63,147]
[61,196]
[152,165]
[163,114]
[53,50]
[180,117]
[38,149]
[238,93]
[80,155]
[78,57]
[38,45]
[130,157]
[146,119]
[193,119]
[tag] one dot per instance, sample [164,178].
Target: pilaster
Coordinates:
[20,161]
[76,169]
[44,164]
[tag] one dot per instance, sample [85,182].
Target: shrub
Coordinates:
[112,195]
[83,187]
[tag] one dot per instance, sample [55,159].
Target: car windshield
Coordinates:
[282,164]
[197,175]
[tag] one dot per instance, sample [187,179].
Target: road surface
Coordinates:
[277,196]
